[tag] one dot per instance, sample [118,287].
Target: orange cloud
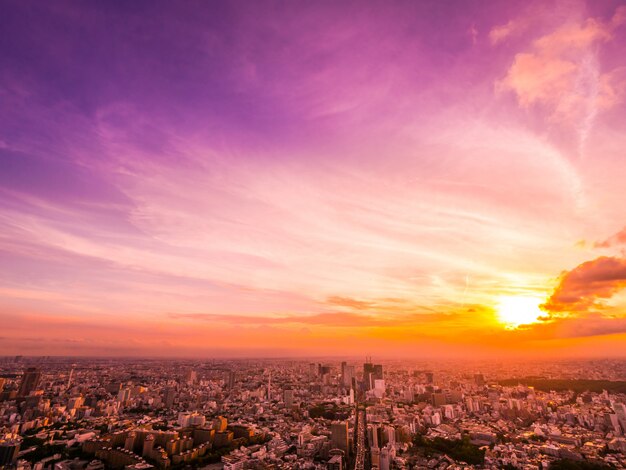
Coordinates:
[351,303]
[588,285]
[617,239]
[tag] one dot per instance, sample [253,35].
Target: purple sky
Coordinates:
[309,177]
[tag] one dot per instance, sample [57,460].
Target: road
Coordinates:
[360,441]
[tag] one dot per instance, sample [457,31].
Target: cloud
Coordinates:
[585,326]
[561,76]
[501,33]
[330,319]
[617,239]
[586,287]
[349,302]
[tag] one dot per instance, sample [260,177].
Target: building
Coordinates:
[9,448]
[288,397]
[168,397]
[347,374]
[30,381]
[339,436]
[335,462]
[371,373]
[191,377]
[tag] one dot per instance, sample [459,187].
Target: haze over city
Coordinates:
[237,179]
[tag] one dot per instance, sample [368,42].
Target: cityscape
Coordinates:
[139,414]
[312,234]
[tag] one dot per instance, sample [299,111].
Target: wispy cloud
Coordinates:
[560,74]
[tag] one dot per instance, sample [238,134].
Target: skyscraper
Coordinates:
[371,373]
[30,381]
[9,448]
[347,374]
[288,397]
[231,379]
[339,436]
[169,394]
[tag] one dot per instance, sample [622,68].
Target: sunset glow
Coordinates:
[420,178]
[516,311]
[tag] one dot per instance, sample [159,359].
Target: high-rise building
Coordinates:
[384,459]
[231,379]
[123,395]
[335,463]
[288,397]
[30,381]
[347,374]
[371,373]
[9,448]
[148,446]
[339,436]
[190,377]
[129,443]
[168,397]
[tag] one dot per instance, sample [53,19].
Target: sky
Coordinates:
[434,179]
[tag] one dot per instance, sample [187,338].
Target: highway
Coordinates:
[360,441]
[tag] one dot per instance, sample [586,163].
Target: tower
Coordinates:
[30,381]
[339,436]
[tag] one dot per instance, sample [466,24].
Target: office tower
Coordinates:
[347,374]
[190,377]
[231,379]
[69,379]
[375,456]
[30,381]
[372,435]
[377,373]
[148,446]
[288,397]
[220,423]
[123,395]
[439,398]
[9,448]
[129,443]
[371,373]
[335,462]
[2,382]
[620,412]
[430,378]
[339,436]
[168,397]
[384,459]
[368,370]
[479,379]
[75,402]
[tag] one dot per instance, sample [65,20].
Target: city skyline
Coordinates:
[432,179]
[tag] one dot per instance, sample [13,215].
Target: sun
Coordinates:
[514,311]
